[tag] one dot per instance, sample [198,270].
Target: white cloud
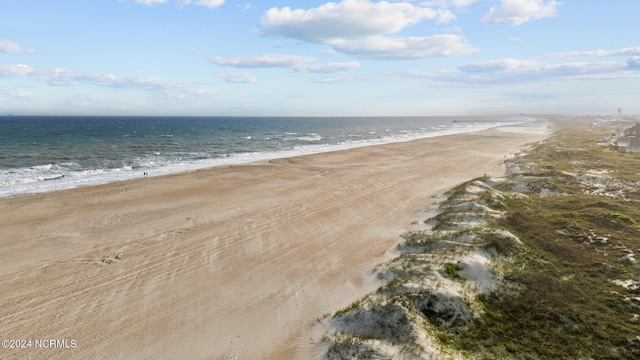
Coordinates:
[7,46]
[445,16]
[604,77]
[262,61]
[62,77]
[141,83]
[337,80]
[462,3]
[584,68]
[9,93]
[16,70]
[398,48]
[206,92]
[295,62]
[361,28]
[149,2]
[599,53]
[502,65]
[515,70]
[330,67]
[346,19]
[450,3]
[207,3]
[634,62]
[518,12]
[242,77]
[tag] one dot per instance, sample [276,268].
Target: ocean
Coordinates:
[49,153]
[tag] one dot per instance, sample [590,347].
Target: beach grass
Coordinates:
[453,270]
[563,230]
[579,246]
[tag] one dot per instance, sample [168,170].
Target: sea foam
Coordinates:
[71,174]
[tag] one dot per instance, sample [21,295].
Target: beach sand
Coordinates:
[229,262]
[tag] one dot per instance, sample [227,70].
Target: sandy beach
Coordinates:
[223,263]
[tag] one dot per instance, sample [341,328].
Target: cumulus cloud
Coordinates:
[346,19]
[518,12]
[7,46]
[242,77]
[363,28]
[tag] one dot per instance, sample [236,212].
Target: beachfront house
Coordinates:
[630,141]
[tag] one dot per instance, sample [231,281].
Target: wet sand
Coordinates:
[228,262]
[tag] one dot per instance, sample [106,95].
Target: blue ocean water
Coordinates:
[48,153]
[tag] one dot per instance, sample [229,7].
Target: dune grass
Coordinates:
[567,305]
[563,233]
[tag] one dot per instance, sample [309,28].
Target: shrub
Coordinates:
[453,270]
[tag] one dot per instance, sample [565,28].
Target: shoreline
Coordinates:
[60,179]
[227,261]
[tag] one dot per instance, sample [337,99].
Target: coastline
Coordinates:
[134,153]
[228,261]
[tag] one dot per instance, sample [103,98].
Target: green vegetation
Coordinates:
[353,305]
[453,270]
[575,245]
[562,231]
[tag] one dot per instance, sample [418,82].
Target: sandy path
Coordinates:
[221,263]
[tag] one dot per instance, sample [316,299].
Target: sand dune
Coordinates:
[229,262]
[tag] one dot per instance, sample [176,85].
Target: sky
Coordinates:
[318,58]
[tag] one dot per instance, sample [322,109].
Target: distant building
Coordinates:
[633,131]
[630,142]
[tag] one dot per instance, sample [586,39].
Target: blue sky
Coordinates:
[351,57]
